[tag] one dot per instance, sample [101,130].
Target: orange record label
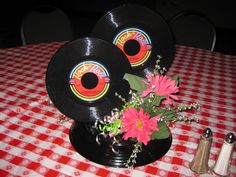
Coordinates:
[89,81]
[135,44]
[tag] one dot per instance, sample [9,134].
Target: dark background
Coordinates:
[84,15]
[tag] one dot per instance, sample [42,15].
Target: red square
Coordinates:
[102,172]
[151,170]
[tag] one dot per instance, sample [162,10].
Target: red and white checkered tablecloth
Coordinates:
[33,143]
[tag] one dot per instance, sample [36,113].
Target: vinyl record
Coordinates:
[140,33]
[83,139]
[83,77]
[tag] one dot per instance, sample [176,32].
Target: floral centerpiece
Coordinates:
[148,113]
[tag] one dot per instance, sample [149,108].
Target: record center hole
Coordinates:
[132,47]
[89,80]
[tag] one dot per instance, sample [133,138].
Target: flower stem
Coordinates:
[132,159]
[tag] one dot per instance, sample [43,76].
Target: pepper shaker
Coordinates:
[199,163]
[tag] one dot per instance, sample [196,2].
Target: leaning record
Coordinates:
[142,35]
[83,77]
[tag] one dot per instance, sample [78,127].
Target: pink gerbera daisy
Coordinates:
[162,86]
[138,124]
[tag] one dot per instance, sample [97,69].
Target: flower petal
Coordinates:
[137,124]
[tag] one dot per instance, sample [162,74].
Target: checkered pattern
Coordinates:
[33,143]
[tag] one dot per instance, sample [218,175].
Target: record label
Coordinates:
[89,80]
[136,45]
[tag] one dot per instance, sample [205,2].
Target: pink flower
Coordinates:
[138,124]
[162,86]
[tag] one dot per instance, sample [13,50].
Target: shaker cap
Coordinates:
[230,138]
[207,133]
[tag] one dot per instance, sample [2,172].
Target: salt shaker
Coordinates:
[221,167]
[199,163]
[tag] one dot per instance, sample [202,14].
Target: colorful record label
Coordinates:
[137,43]
[89,80]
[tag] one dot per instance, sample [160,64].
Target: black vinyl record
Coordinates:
[83,139]
[83,77]
[140,33]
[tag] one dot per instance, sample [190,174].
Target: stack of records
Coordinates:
[85,76]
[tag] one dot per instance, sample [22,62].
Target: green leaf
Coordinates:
[162,133]
[135,82]
[159,111]
[176,79]
[169,115]
[157,100]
